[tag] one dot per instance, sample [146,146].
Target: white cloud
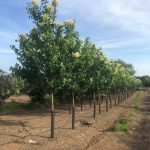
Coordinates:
[127,15]
[8,35]
[125,22]
[6,51]
[125,43]
[143,69]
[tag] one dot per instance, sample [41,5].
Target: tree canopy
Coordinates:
[53,57]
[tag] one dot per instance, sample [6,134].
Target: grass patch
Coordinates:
[132,113]
[16,106]
[11,106]
[138,100]
[121,125]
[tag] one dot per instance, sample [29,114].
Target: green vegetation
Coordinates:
[9,85]
[145,81]
[132,113]
[121,125]
[16,106]
[52,57]
[55,61]
[129,67]
[138,100]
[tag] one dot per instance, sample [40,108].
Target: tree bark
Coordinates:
[94,106]
[73,111]
[106,104]
[81,103]
[52,116]
[99,99]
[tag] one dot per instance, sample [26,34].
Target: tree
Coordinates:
[129,67]
[9,85]
[145,80]
[53,58]
[39,53]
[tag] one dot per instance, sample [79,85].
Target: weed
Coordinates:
[16,106]
[138,100]
[121,125]
[132,113]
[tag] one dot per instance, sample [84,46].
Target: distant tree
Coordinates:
[129,67]
[6,88]
[145,80]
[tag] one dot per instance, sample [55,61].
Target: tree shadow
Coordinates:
[11,123]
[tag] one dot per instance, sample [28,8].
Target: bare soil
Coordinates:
[18,128]
[20,98]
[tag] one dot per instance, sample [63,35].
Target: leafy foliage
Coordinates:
[145,80]
[53,58]
[129,67]
[121,125]
[9,85]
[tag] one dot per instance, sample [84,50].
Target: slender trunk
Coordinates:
[94,105]
[106,104]
[52,116]
[110,99]
[90,100]
[81,103]
[99,99]
[73,111]
[115,98]
[102,99]
[118,97]
[121,96]
[69,107]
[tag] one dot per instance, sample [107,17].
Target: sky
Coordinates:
[120,27]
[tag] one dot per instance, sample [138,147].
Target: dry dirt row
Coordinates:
[137,139]
[17,129]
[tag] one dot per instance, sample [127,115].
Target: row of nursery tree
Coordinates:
[52,57]
[54,60]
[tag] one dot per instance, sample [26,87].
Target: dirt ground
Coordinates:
[137,139]
[21,98]
[18,128]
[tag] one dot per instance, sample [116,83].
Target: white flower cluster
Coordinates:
[50,8]
[35,2]
[46,17]
[69,22]
[76,54]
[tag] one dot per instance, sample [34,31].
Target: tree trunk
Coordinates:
[94,106]
[81,103]
[118,98]
[69,107]
[52,116]
[115,98]
[102,99]
[110,99]
[90,101]
[99,100]
[73,111]
[106,104]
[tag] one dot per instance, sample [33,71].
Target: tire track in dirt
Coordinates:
[141,136]
[138,140]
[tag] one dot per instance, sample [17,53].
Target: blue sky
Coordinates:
[120,27]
